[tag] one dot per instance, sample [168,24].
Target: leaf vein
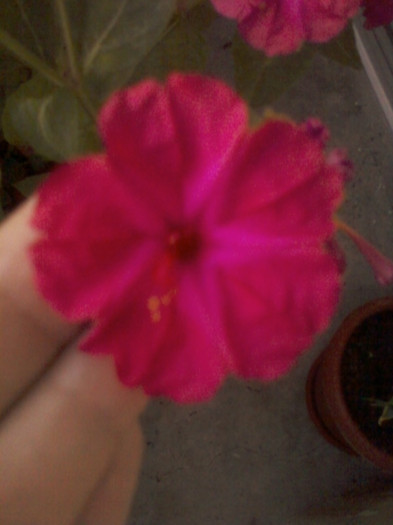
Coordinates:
[91,55]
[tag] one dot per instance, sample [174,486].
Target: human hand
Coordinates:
[70,438]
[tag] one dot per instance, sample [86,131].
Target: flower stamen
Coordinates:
[155,302]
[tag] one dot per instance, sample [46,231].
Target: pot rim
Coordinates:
[331,359]
[313,411]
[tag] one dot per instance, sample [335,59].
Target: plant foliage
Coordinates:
[60,62]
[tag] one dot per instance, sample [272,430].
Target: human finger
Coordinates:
[111,499]
[60,442]
[31,332]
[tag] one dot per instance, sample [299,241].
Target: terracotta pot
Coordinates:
[325,396]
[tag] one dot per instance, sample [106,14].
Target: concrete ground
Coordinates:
[251,456]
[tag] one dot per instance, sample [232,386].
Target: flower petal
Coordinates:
[173,353]
[85,199]
[93,276]
[275,306]
[276,28]
[210,119]
[300,216]
[176,137]
[338,159]
[233,8]
[197,359]
[141,140]
[92,243]
[278,160]
[325,19]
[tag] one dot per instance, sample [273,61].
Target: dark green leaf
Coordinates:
[201,16]
[34,27]
[110,37]
[342,49]
[260,79]
[185,5]
[48,119]
[249,65]
[183,48]
[28,185]
[114,36]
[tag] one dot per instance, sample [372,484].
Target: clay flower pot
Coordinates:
[355,369]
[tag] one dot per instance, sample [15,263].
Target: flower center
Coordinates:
[184,244]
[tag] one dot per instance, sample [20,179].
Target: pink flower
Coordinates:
[377,12]
[196,247]
[279,27]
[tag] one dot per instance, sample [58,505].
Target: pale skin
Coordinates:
[70,437]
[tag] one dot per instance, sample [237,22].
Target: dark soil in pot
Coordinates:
[367,373]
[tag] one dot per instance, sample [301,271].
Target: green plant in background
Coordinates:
[60,62]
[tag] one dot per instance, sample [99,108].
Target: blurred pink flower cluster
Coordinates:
[281,26]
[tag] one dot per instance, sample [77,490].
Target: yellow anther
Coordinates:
[167,298]
[154,304]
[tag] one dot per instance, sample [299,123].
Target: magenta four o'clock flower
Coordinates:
[195,246]
[281,26]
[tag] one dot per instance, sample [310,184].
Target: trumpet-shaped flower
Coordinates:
[195,246]
[279,27]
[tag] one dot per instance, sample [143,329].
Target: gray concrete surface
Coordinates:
[251,456]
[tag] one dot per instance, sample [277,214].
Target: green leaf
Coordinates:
[185,5]
[260,79]
[114,36]
[249,65]
[201,15]
[34,28]
[183,48]
[17,23]
[110,36]
[29,185]
[387,414]
[342,49]
[12,74]
[50,120]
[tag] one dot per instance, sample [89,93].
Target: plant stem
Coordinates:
[65,26]
[31,28]
[86,102]
[30,59]
[91,55]
[76,78]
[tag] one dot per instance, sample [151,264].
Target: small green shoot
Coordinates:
[387,409]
